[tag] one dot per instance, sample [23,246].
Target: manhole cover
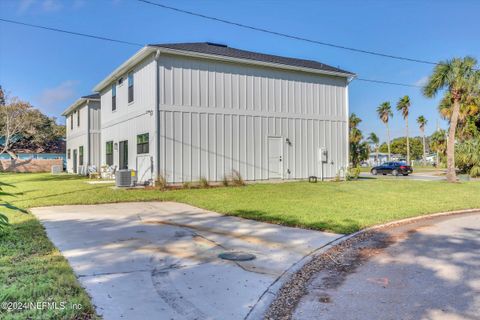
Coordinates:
[236,256]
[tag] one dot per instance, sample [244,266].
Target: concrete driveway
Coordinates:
[160,260]
[431,272]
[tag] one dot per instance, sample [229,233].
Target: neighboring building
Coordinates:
[375,160]
[83,134]
[194,110]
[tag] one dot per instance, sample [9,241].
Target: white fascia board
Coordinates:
[349,76]
[77,104]
[124,67]
[145,51]
[73,106]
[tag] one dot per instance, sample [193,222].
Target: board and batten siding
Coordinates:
[94,123]
[216,117]
[130,119]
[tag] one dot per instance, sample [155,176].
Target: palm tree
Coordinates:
[422,122]
[355,136]
[438,143]
[384,112]
[403,105]
[460,78]
[373,139]
[469,110]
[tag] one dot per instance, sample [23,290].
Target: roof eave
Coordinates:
[131,62]
[347,75]
[79,102]
[145,51]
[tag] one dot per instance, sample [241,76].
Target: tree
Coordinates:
[384,112]
[403,105]
[468,157]
[468,116]
[373,139]
[422,122]
[438,143]
[399,146]
[14,120]
[355,137]
[43,133]
[461,80]
[2,96]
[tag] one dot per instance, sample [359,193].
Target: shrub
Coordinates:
[237,179]
[3,221]
[204,182]
[353,173]
[186,185]
[225,182]
[161,182]
[467,157]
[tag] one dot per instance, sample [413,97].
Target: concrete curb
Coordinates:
[260,308]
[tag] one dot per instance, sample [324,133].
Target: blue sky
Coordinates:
[51,70]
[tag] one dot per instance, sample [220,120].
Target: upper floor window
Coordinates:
[114,97]
[80,155]
[142,143]
[78,118]
[71,121]
[130,87]
[109,153]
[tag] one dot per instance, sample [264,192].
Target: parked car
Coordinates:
[394,168]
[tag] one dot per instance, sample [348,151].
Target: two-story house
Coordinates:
[83,134]
[193,110]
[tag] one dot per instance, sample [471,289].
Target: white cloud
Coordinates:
[51,5]
[53,98]
[24,5]
[46,5]
[422,81]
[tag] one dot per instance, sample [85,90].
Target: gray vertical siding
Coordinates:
[130,119]
[95,134]
[216,117]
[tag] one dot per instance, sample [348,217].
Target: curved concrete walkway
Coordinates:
[159,260]
[431,272]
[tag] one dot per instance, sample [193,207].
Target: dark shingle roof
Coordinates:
[223,50]
[92,96]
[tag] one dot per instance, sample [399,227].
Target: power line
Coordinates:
[141,45]
[388,82]
[285,35]
[71,32]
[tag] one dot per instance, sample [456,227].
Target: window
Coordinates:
[68,154]
[130,87]
[109,153]
[71,121]
[78,118]
[80,155]
[114,97]
[142,143]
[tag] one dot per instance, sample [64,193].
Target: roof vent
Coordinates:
[217,44]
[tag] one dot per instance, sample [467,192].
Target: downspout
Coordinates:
[89,163]
[347,115]
[157,112]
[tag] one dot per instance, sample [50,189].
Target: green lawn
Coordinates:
[32,269]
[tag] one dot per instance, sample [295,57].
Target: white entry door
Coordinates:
[275,157]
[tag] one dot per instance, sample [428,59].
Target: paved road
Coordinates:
[431,273]
[160,260]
